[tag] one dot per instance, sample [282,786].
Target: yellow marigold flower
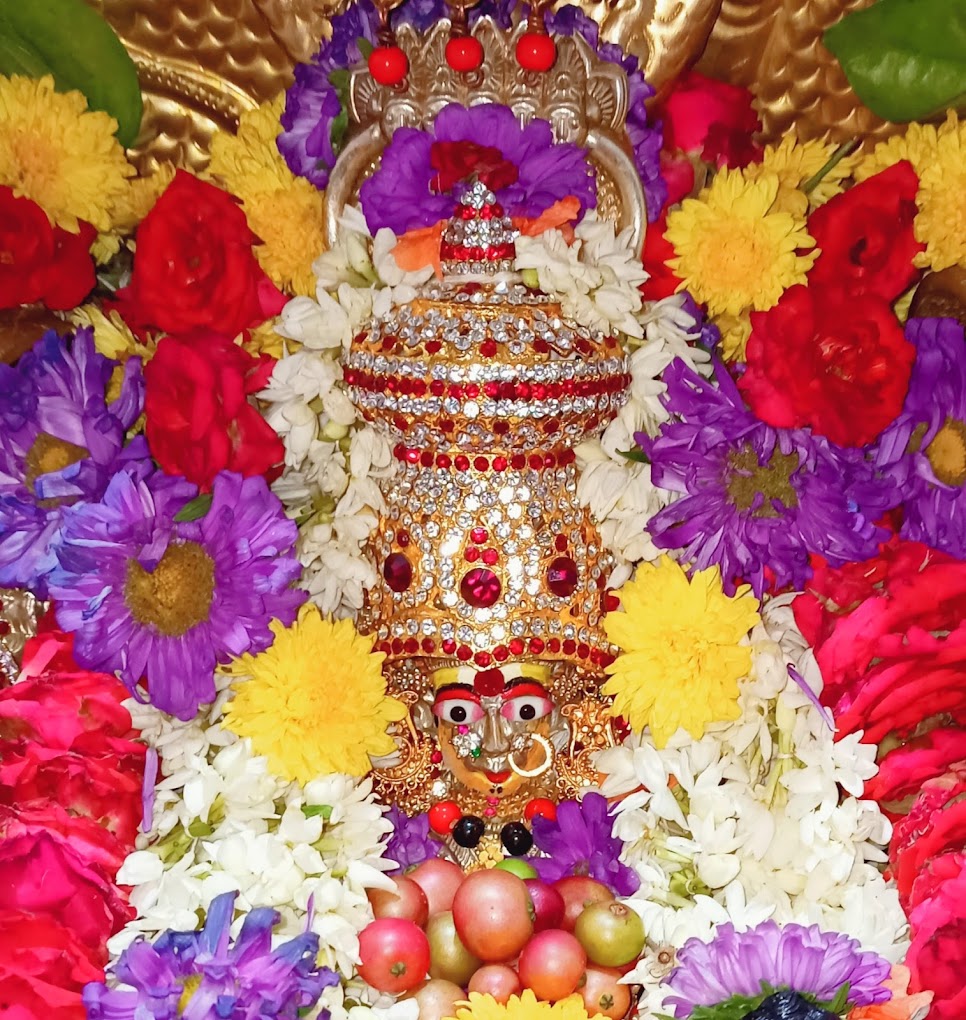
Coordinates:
[734,252]
[249,161]
[681,657]
[916,144]
[138,198]
[264,340]
[288,224]
[60,154]
[941,221]
[795,163]
[522,1007]
[284,211]
[315,701]
[112,338]
[735,330]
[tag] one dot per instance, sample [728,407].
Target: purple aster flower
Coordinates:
[924,449]
[580,842]
[201,975]
[646,138]
[61,440]
[400,194]
[805,960]
[151,596]
[756,497]
[410,842]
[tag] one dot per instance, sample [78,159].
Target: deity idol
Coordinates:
[493,579]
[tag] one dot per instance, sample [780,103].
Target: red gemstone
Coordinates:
[490,556]
[482,658]
[472,554]
[442,460]
[562,576]
[481,463]
[499,464]
[554,645]
[480,587]
[535,52]
[540,806]
[464,53]
[389,65]
[488,348]
[536,645]
[398,572]
[501,653]
[464,653]
[411,646]
[443,816]
[479,535]
[488,682]
[462,463]
[516,646]
[583,650]
[560,543]
[429,645]
[426,458]
[449,646]
[569,646]
[402,537]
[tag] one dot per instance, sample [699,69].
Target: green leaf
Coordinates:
[337,133]
[194,509]
[365,47]
[905,59]
[638,456]
[314,810]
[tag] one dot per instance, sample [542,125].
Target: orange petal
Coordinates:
[560,216]
[417,249]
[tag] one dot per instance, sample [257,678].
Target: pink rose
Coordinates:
[53,864]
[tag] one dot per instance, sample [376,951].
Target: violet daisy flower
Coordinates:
[765,959]
[924,449]
[201,975]
[150,596]
[580,842]
[61,441]
[410,842]
[401,194]
[756,497]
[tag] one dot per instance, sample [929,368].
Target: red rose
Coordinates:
[713,118]
[43,967]
[456,161]
[866,235]
[904,769]
[838,364]
[937,955]
[105,787]
[39,262]
[657,251]
[46,872]
[935,825]
[194,267]
[198,417]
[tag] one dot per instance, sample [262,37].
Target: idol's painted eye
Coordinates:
[526,708]
[458,711]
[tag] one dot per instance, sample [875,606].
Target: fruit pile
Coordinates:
[441,934]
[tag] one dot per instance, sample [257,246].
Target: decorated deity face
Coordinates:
[495,726]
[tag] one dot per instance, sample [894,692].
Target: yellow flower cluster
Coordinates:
[315,701]
[522,1007]
[681,653]
[741,243]
[283,210]
[59,154]
[938,155]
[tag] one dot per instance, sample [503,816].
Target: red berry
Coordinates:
[536,52]
[443,816]
[540,806]
[388,65]
[464,53]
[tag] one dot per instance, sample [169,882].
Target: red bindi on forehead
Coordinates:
[489,682]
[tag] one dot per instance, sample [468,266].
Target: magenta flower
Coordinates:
[402,194]
[155,597]
[767,958]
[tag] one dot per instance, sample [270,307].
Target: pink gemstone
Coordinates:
[562,576]
[398,571]
[480,587]
[489,812]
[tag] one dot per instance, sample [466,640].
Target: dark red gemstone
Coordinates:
[482,658]
[429,645]
[479,535]
[411,645]
[562,576]
[480,463]
[516,646]
[536,645]
[443,461]
[480,587]
[501,653]
[488,348]
[583,650]
[569,646]
[398,571]
[554,645]
[449,646]
[560,543]
[464,653]
[462,463]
